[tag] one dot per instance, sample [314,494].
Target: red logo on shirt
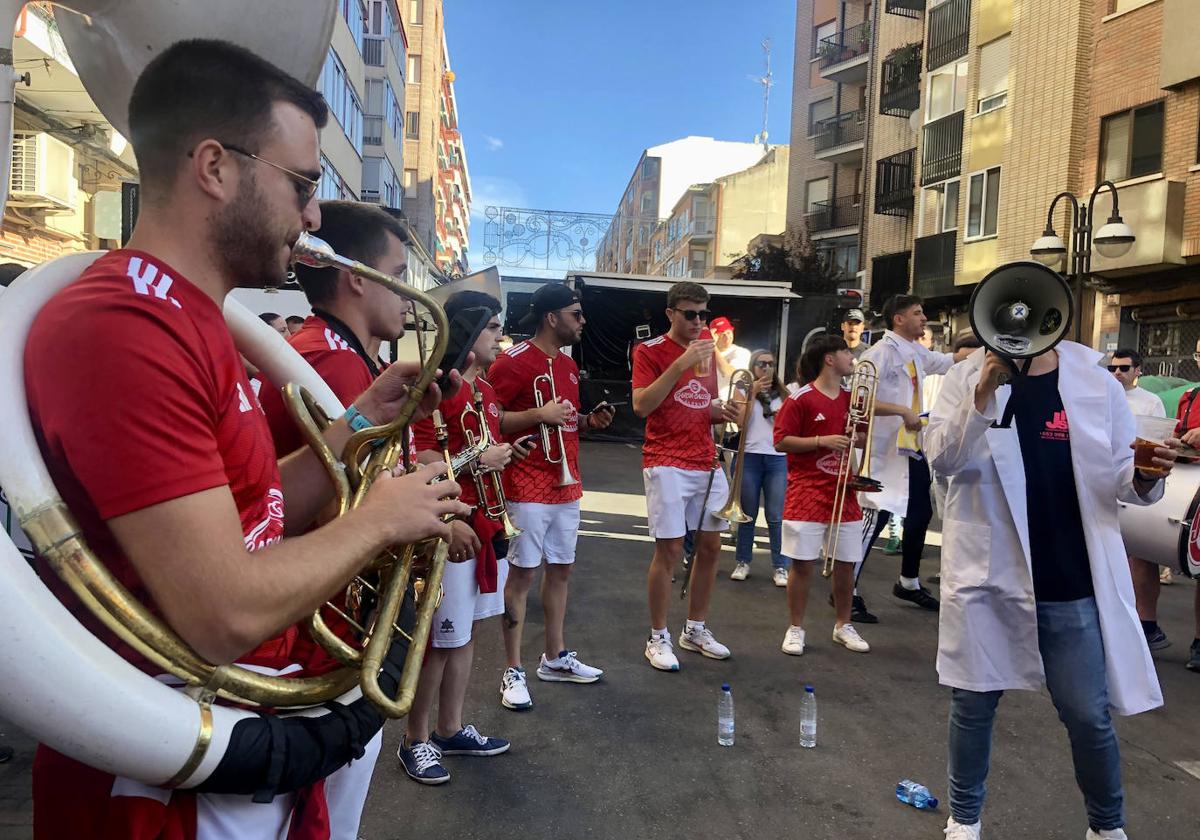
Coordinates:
[694,395]
[268,530]
[574,379]
[830,464]
[492,410]
[1057,427]
[571,424]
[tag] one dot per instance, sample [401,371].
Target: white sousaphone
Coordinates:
[58,682]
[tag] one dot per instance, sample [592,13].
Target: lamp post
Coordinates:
[1112,240]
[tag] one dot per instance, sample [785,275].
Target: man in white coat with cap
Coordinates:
[1030,595]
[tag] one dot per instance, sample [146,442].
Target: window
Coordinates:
[944,199]
[983,200]
[414,69]
[343,102]
[993,75]
[355,13]
[699,259]
[1115,6]
[817,111]
[410,183]
[412,125]
[416,12]
[1131,143]
[392,115]
[816,191]
[647,203]
[825,30]
[947,91]
[332,186]
[650,168]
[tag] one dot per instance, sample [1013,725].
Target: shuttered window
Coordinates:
[993,74]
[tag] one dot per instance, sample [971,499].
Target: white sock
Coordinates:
[796,627]
[911,584]
[693,626]
[663,632]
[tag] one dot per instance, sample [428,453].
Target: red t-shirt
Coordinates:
[812,476]
[1186,413]
[679,431]
[451,409]
[138,396]
[512,375]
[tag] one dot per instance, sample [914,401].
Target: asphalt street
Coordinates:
[636,755]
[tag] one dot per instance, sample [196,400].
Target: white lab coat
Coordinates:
[987,636]
[891,355]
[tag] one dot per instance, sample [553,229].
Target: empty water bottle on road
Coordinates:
[725,717]
[918,796]
[808,718]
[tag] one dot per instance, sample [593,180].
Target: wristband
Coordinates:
[356,420]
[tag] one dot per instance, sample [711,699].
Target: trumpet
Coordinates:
[739,381]
[565,478]
[860,422]
[494,505]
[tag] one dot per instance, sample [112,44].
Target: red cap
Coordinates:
[720,324]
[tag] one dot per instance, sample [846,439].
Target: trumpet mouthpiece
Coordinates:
[313,251]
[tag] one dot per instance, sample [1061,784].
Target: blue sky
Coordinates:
[557,98]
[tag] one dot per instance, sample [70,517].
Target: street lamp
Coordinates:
[1112,240]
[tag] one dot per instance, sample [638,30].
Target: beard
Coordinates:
[247,247]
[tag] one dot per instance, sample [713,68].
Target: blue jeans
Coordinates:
[1073,656]
[763,477]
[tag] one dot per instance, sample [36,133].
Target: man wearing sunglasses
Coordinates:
[1126,366]
[674,379]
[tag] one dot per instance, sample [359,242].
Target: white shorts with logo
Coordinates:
[806,540]
[463,604]
[674,497]
[550,533]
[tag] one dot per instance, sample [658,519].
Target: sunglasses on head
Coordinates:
[693,314]
[1122,368]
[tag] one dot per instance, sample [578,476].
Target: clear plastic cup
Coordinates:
[1151,433]
[704,366]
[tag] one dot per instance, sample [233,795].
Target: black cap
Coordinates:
[549,298]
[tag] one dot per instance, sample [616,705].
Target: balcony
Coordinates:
[1155,210]
[372,131]
[703,227]
[839,139]
[905,8]
[901,82]
[835,214]
[844,55]
[933,264]
[894,184]
[941,152]
[889,276]
[949,32]
[373,53]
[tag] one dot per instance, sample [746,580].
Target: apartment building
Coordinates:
[435,180]
[662,176]
[711,225]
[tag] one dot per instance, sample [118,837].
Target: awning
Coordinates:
[646,283]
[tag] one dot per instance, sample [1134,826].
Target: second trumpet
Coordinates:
[542,397]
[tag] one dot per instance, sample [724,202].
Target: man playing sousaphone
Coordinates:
[150,430]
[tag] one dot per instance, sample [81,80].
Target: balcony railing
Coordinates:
[901,82]
[933,264]
[894,184]
[941,153]
[905,8]
[373,50]
[845,45]
[949,32]
[373,131]
[838,131]
[835,213]
[704,226]
[889,276]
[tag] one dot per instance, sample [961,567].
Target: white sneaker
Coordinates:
[848,636]
[793,641]
[781,576]
[703,641]
[958,831]
[567,668]
[740,572]
[1107,834]
[661,653]
[514,693]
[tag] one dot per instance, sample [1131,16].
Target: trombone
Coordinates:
[860,423]
[565,479]
[494,505]
[740,381]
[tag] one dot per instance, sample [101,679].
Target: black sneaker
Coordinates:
[921,597]
[1157,640]
[1193,663]
[858,611]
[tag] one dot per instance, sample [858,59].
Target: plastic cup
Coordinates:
[1151,433]
[704,366]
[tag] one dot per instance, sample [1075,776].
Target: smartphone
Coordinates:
[610,405]
[527,441]
[465,330]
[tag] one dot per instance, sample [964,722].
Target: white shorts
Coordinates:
[346,790]
[463,604]
[806,540]
[550,533]
[673,499]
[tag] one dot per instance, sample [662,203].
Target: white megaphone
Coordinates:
[1020,310]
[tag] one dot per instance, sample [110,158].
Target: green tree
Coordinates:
[794,261]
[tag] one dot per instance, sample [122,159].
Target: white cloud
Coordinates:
[495,191]
[493,143]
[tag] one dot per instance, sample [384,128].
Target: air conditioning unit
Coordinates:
[43,172]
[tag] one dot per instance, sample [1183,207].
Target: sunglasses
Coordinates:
[1122,368]
[764,364]
[693,314]
[577,314]
[305,186]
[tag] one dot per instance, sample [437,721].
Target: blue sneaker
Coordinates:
[423,763]
[468,741]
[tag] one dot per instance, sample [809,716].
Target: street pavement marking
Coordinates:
[1192,767]
[609,535]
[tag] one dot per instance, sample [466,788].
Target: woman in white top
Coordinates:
[764,475]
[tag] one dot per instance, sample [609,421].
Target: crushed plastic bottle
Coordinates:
[916,795]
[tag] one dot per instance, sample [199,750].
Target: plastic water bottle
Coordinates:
[808,718]
[725,717]
[918,796]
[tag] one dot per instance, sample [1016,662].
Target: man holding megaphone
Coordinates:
[1029,595]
